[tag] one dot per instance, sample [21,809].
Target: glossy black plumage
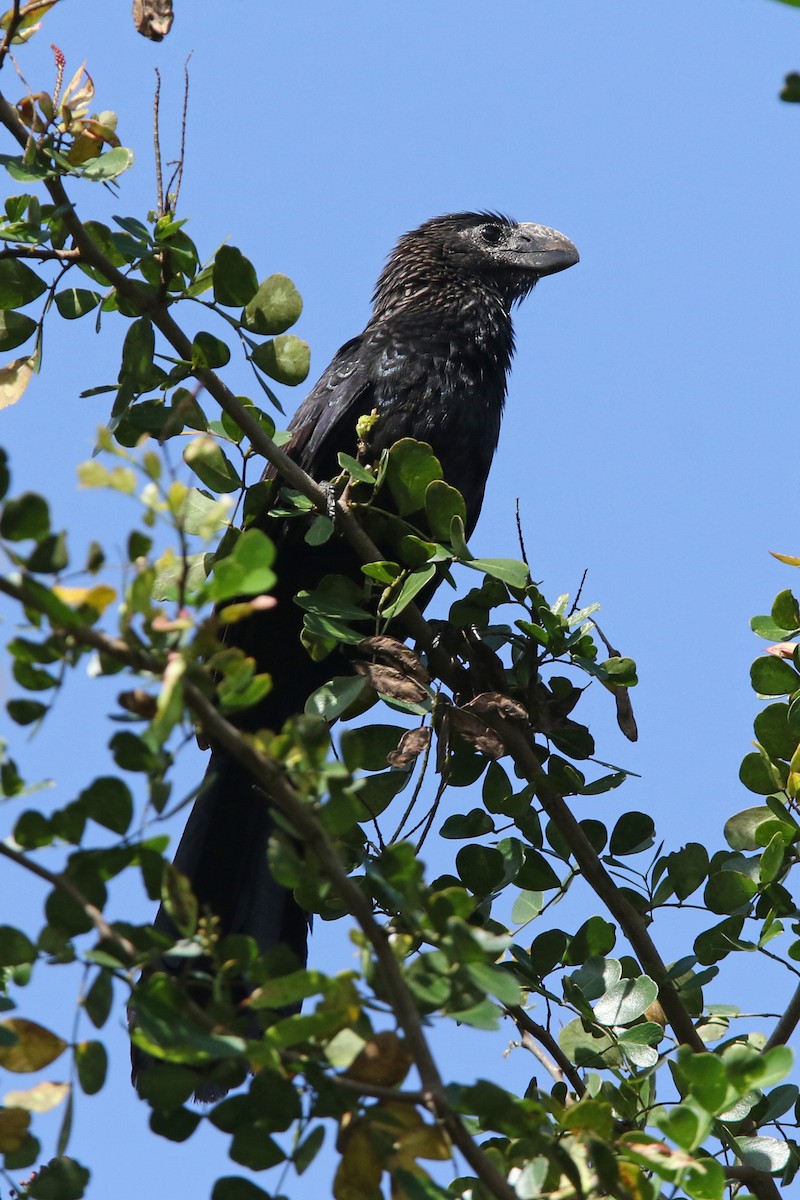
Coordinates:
[433,362]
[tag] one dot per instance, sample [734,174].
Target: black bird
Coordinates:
[433,362]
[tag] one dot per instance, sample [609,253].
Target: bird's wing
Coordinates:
[325,421]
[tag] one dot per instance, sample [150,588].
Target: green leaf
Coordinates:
[526,906]
[536,874]
[26,712]
[233,1187]
[108,801]
[109,165]
[764,1153]
[596,937]
[588,1047]
[285,359]
[633,832]
[494,981]
[481,868]
[776,731]
[747,1068]
[508,570]
[91,1061]
[76,302]
[235,280]
[335,697]
[473,824]
[741,830]
[276,305]
[15,947]
[176,1126]
[25,517]
[485,1015]
[772,860]
[319,531]
[99,999]
[790,92]
[205,457]
[355,469]
[686,1125]
[705,1077]
[411,586]
[18,284]
[247,570]
[252,1147]
[60,1179]
[772,676]
[786,611]
[15,328]
[209,352]
[625,1001]
[687,868]
[411,467]
[728,891]
[442,504]
[760,776]
[137,355]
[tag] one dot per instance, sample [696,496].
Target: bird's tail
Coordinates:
[223,853]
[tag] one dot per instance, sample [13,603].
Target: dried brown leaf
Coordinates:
[412,744]
[392,683]
[153,18]
[396,654]
[475,731]
[496,703]
[139,702]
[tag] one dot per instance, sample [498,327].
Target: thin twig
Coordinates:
[157,146]
[174,185]
[520,536]
[377,1092]
[532,1032]
[11,32]
[68,888]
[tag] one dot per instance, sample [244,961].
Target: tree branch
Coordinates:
[41,253]
[786,1024]
[515,741]
[68,888]
[530,1029]
[283,796]
[762,1186]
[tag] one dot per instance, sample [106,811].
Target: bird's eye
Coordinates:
[491,234]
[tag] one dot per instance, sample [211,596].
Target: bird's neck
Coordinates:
[468,311]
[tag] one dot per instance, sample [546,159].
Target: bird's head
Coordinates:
[506,258]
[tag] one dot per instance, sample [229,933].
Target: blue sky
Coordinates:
[653,400]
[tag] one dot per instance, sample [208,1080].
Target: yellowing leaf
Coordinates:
[14,1124]
[384,1060]
[14,378]
[40,1098]
[99,596]
[29,13]
[358,1175]
[791,560]
[36,1047]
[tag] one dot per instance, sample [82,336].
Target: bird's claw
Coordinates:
[330,498]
